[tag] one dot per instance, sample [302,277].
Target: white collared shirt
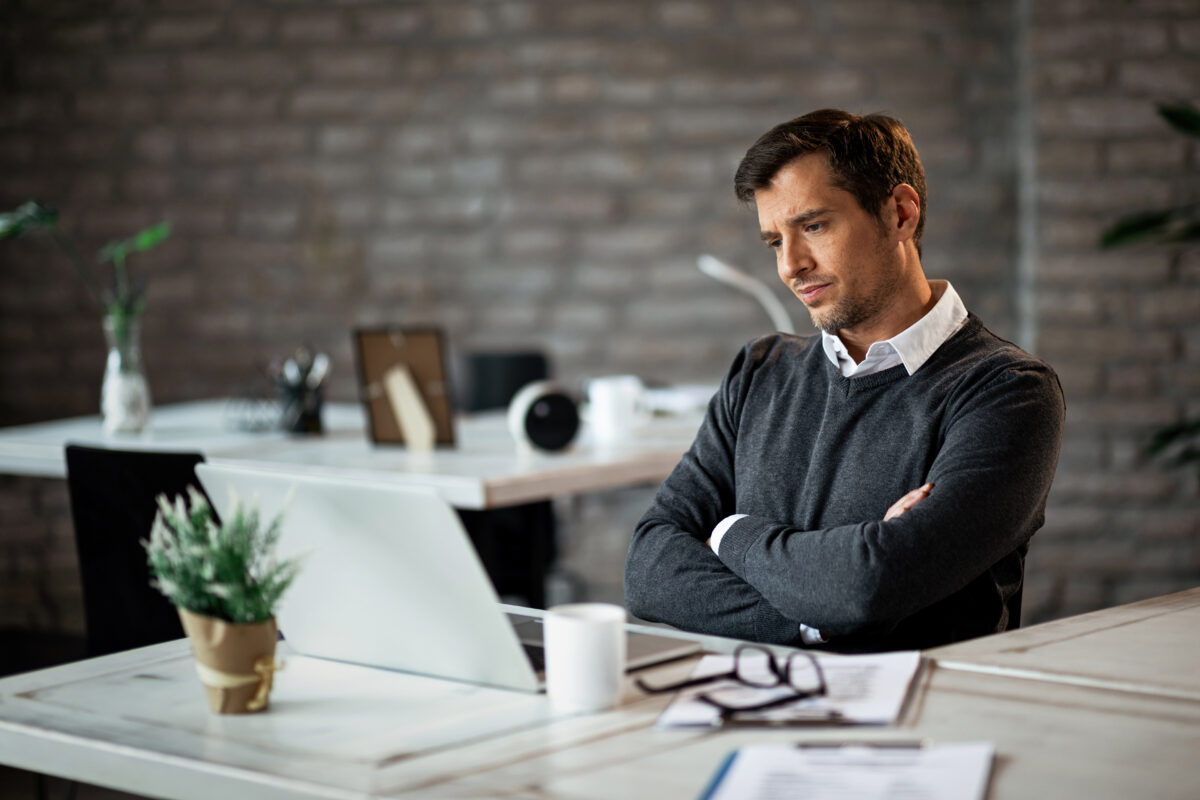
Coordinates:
[912,347]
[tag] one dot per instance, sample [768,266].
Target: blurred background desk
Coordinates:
[483,471]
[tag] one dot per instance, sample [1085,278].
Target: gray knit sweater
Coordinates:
[815,459]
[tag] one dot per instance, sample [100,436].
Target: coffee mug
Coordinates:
[615,407]
[585,656]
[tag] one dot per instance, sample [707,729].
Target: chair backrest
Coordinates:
[113,506]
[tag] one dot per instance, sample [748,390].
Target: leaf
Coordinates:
[1179,224]
[1135,227]
[119,249]
[1165,437]
[1183,117]
[27,217]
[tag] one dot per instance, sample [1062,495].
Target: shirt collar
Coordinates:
[915,344]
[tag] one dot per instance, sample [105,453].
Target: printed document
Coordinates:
[857,772]
[867,690]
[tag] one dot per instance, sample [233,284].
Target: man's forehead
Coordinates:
[802,184]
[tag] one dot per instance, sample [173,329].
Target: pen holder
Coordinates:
[300,409]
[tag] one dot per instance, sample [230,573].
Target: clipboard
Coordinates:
[420,353]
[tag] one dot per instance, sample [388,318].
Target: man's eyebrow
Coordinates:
[797,221]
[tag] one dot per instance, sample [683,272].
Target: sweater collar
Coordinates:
[912,347]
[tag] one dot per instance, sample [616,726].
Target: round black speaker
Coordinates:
[543,415]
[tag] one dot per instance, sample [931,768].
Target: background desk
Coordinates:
[483,471]
[138,721]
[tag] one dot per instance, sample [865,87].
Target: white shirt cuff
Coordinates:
[722,528]
[811,635]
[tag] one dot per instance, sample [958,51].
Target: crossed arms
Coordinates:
[991,460]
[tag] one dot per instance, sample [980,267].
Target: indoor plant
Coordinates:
[225,582]
[125,395]
[1178,225]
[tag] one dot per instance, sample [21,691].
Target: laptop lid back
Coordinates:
[389,577]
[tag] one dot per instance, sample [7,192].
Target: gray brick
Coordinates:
[1135,267]
[1065,76]
[1151,155]
[1170,306]
[1172,77]
[1128,37]
[1097,116]
[182,30]
[354,66]
[1103,344]
[138,70]
[389,23]
[312,26]
[239,68]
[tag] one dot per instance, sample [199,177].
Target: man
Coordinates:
[874,487]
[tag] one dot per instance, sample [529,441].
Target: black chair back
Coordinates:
[113,506]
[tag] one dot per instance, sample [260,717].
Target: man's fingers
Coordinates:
[908,501]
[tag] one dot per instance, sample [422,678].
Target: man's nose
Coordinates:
[795,259]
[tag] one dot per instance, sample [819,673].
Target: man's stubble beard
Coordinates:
[850,312]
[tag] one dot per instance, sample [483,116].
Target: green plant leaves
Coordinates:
[1183,117]
[1178,224]
[1181,224]
[118,249]
[27,217]
[226,571]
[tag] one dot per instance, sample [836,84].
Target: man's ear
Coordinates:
[906,205]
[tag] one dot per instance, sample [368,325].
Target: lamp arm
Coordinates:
[718,270]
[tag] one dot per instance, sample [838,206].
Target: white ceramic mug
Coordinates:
[615,407]
[585,656]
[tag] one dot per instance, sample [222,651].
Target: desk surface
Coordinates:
[1151,646]
[485,470]
[138,721]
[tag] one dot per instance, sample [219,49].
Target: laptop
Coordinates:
[390,579]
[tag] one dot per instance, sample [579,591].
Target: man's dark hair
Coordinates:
[869,156]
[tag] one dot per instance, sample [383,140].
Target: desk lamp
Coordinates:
[716,269]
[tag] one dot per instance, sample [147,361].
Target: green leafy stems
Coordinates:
[1180,223]
[1177,444]
[123,300]
[226,570]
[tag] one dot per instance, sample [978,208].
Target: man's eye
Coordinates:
[813,227]
[774,245]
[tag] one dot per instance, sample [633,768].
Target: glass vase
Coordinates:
[124,395]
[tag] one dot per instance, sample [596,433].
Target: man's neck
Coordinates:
[915,299]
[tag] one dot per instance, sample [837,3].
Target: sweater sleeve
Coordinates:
[990,479]
[670,574]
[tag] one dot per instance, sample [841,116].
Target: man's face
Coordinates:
[832,254]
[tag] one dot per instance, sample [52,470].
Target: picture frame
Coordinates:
[422,351]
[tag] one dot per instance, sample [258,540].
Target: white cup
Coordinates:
[615,407]
[585,656]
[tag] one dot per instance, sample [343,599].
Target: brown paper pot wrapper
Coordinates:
[238,658]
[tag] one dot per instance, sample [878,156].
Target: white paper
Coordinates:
[774,772]
[867,689]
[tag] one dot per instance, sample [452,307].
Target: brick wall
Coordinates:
[539,172]
[1122,326]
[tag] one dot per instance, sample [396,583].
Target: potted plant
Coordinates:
[225,581]
[124,396]
[1179,226]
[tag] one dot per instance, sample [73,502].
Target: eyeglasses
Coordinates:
[756,667]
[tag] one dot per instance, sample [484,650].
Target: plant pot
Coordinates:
[236,662]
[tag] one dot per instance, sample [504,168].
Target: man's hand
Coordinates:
[908,501]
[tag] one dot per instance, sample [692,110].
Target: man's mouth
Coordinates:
[812,292]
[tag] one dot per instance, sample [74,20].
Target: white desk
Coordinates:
[1152,647]
[483,471]
[137,721]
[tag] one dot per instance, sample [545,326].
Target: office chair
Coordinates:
[113,506]
[517,544]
